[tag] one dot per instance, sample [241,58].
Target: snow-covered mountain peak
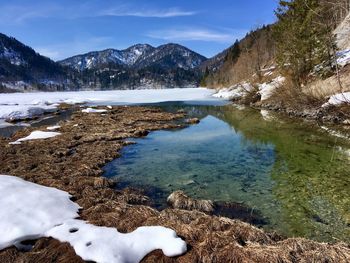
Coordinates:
[137,56]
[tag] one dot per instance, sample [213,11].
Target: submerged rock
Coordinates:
[180,200]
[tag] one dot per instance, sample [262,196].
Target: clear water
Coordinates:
[294,173]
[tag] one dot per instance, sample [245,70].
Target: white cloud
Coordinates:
[192,34]
[172,12]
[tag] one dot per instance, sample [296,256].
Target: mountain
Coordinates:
[98,59]
[169,56]
[139,66]
[21,68]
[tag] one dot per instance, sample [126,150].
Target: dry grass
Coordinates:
[322,89]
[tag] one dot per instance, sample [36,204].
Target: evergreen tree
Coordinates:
[302,38]
[233,53]
[203,82]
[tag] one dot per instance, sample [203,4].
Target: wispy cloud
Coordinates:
[193,34]
[19,14]
[77,46]
[166,13]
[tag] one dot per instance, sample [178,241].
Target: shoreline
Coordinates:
[73,162]
[326,115]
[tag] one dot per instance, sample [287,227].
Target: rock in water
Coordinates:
[180,200]
[192,121]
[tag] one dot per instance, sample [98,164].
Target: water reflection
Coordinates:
[293,173]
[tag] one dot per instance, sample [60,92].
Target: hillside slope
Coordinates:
[293,66]
[22,68]
[242,60]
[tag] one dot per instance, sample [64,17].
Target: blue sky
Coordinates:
[59,29]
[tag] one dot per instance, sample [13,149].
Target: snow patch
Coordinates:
[91,110]
[234,92]
[107,245]
[30,211]
[53,128]
[343,57]
[266,90]
[338,99]
[37,135]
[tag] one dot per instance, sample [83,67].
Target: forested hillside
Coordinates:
[301,39]
[20,65]
[241,61]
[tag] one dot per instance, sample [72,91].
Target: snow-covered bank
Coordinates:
[265,90]
[235,92]
[22,105]
[30,211]
[338,99]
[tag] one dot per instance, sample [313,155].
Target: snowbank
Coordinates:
[22,105]
[30,211]
[338,99]
[238,91]
[266,90]
[37,135]
[234,92]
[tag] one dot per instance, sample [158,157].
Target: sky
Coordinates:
[63,28]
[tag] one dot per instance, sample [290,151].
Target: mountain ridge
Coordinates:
[138,56]
[138,66]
